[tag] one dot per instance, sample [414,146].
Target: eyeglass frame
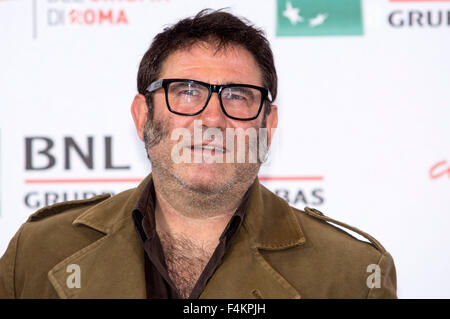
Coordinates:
[212,88]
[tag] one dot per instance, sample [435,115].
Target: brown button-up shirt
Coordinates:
[158,282]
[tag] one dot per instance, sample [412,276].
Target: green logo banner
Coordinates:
[319,18]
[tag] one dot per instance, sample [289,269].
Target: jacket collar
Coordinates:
[270,221]
[105,216]
[266,215]
[269,224]
[113,266]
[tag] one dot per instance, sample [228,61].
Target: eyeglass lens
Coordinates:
[189,97]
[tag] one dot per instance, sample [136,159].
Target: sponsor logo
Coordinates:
[82,13]
[420,14]
[43,147]
[298,191]
[440,170]
[319,18]
[67,168]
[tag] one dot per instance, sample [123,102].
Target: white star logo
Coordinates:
[318,20]
[292,14]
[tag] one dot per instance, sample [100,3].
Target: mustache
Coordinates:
[155,131]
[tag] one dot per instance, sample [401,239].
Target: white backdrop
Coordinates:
[364,118]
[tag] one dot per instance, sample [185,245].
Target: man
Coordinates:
[200,225]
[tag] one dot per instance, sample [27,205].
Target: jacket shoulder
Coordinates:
[334,262]
[63,207]
[318,215]
[46,238]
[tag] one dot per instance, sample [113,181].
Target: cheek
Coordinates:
[172,121]
[180,121]
[248,125]
[256,123]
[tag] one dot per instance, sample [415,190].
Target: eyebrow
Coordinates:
[226,83]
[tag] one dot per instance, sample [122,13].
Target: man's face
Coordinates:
[203,63]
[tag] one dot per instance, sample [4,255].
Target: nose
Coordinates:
[212,115]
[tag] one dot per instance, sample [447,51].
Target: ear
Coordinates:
[139,111]
[272,123]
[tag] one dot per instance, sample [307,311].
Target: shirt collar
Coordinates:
[144,214]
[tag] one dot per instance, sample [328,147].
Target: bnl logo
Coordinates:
[319,18]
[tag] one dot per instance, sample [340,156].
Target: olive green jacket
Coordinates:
[279,252]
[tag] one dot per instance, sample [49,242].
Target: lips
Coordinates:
[209,147]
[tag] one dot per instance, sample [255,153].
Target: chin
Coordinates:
[205,180]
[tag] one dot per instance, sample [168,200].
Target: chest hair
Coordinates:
[185,261]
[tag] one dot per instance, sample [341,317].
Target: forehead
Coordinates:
[204,62]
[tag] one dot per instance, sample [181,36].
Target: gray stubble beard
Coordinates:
[194,201]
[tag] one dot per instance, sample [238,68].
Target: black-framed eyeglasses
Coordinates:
[189,97]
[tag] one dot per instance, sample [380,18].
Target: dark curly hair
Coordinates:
[218,27]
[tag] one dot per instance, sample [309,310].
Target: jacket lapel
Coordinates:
[113,266]
[269,224]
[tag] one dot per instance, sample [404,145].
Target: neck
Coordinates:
[174,223]
[182,212]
